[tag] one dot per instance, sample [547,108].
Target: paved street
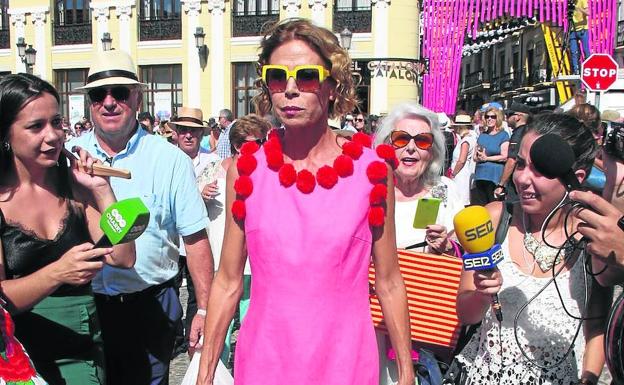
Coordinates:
[180,363]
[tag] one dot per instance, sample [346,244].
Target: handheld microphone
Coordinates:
[475,233]
[554,158]
[123,221]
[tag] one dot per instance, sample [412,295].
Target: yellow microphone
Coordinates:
[475,232]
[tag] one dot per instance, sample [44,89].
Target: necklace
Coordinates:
[546,257]
[326,176]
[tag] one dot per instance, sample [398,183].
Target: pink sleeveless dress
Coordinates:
[309,321]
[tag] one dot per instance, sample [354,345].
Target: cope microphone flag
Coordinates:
[475,233]
[123,221]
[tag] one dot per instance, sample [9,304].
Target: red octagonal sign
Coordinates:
[599,72]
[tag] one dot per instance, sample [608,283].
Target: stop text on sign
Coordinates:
[601,72]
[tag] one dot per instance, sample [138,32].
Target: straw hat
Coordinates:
[189,117]
[114,67]
[462,120]
[610,116]
[167,131]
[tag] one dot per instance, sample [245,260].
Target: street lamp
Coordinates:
[28,55]
[345,38]
[107,41]
[202,49]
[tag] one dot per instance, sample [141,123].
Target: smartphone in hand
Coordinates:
[426,212]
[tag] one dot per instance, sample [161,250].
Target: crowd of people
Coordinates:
[274,218]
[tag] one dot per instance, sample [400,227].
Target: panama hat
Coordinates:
[462,120]
[189,117]
[114,67]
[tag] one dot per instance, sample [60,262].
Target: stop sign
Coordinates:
[599,72]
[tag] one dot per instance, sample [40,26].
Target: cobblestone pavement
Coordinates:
[181,362]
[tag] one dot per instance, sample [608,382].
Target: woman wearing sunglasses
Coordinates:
[414,133]
[49,217]
[491,155]
[309,208]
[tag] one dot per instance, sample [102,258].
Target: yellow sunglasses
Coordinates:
[308,77]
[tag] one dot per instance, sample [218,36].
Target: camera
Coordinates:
[613,140]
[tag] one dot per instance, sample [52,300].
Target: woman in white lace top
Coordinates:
[544,331]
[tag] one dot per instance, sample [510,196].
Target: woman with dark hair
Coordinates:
[590,116]
[537,341]
[48,219]
[309,208]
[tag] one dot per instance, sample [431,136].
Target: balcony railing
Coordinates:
[160,29]
[5,41]
[72,34]
[357,20]
[619,36]
[474,79]
[510,81]
[252,25]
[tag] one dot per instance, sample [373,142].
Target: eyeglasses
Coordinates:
[120,93]
[259,142]
[182,130]
[401,139]
[307,77]
[490,116]
[359,120]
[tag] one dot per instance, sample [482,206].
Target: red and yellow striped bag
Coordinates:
[431,282]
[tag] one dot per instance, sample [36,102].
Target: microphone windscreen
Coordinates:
[474,229]
[552,156]
[124,220]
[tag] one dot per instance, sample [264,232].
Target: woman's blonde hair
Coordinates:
[326,45]
[499,116]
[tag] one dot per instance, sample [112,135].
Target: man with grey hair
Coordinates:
[138,307]
[226,118]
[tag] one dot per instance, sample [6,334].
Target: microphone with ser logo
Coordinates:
[475,233]
[123,221]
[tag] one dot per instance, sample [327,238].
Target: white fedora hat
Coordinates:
[114,67]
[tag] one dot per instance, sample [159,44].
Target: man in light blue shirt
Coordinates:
[138,307]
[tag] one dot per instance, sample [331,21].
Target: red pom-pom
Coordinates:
[343,166]
[274,135]
[249,148]
[238,210]
[272,144]
[377,171]
[327,177]
[363,139]
[305,181]
[243,186]
[287,175]
[274,159]
[246,164]
[352,149]
[378,194]
[386,152]
[376,216]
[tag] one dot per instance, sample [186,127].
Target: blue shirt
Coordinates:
[163,177]
[491,171]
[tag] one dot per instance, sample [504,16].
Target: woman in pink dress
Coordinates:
[310,209]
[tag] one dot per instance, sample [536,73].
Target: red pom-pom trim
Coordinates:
[386,152]
[249,148]
[287,175]
[305,181]
[238,210]
[352,149]
[343,166]
[376,216]
[246,164]
[378,194]
[377,171]
[363,139]
[243,186]
[273,135]
[274,158]
[327,177]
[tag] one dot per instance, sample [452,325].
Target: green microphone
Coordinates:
[123,221]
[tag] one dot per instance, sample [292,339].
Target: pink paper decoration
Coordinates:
[445,23]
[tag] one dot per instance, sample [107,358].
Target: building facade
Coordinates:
[161,37]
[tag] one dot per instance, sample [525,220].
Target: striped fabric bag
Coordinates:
[431,282]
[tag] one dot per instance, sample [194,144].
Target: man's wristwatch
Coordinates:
[503,187]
